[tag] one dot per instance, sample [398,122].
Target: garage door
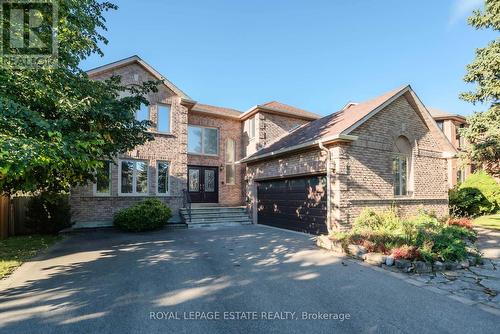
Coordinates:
[297,204]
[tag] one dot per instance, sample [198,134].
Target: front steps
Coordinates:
[215,216]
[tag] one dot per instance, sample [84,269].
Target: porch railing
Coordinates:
[186,202]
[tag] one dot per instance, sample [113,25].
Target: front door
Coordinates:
[203,184]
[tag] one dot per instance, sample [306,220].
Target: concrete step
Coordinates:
[218,210]
[215,214]
[218,220]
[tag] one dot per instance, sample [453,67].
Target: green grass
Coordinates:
[489,221]
[16,250]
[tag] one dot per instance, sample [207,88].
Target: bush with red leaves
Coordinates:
[405,252]
[462,222]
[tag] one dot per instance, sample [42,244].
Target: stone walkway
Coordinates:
[478,284]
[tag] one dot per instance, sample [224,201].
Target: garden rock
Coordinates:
[451,265]
[438,266]
[404,265]
[464,264]
[423,267]
[374,258]
[324,242]
[357,251]
[389,260]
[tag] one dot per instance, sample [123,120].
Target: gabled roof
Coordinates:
[216,111]
[281,109]
[136,59]
[338,126]
[439,114]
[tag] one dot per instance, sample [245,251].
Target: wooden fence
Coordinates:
[13,216]
[4,216]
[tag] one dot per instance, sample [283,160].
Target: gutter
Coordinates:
[328,186]
[326,140]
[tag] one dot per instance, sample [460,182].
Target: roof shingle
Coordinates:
[331,125]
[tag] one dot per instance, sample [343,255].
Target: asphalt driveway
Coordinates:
[111,282]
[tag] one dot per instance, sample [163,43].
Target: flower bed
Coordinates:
[421,243]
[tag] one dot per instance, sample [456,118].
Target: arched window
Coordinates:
[401,166]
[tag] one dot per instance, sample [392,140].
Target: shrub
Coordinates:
[420,237]
[461,222]
[150,214]
[48,213]
[405,252]
[478,195]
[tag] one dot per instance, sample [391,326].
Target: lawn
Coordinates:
[16,250]
[490,221]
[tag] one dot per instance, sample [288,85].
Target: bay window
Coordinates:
[202,140]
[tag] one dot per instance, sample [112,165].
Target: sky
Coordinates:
[316,55]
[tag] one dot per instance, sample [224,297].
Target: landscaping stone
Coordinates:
[357,251]
[438,266]
[422,267]
[472,260]
[485,272]
[492,284]
[464,264]
[452,265]
[324,242]
[389,260]
[404,265]
[375,259]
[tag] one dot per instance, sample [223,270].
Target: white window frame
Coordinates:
[134,178]
[251,128]
[232,164]
[203,142]
[408,169]
[158,118]
[168,175]
[106,194]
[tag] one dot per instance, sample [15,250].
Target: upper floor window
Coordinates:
[202,140]
[440,124]
[401,166]
[251,128]
[163,118]
[460,139]
[230,161]
[133,177]
[143,113]
[102,186]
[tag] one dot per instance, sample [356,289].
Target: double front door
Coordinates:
[203,184]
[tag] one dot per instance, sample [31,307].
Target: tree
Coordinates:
[57,125]
[483,132]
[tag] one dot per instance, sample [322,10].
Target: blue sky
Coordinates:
[316,55]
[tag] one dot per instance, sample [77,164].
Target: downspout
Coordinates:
[328,186]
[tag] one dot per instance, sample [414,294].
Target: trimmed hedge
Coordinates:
[478,195]
[150,214]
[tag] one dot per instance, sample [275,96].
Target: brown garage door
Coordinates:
[297,204]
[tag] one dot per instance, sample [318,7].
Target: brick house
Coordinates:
[450,124]
[289,167]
